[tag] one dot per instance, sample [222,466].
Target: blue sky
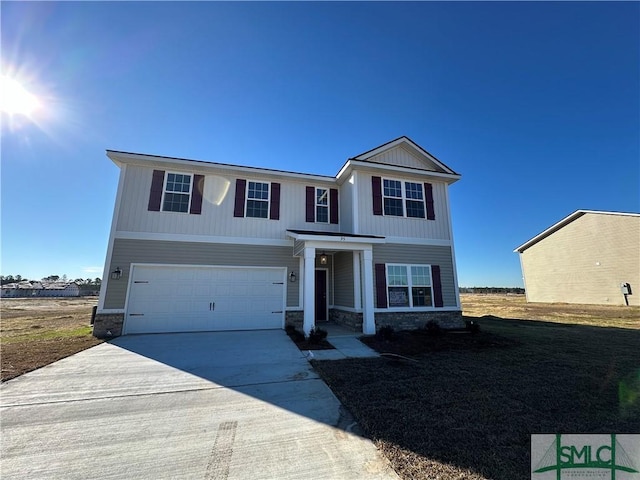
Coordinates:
[537,105]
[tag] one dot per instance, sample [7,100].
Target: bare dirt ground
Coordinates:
[38,331]
[516,307]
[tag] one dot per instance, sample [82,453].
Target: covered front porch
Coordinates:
[336,272]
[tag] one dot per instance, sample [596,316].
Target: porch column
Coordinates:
[368,319]
[309,289]
[357,289]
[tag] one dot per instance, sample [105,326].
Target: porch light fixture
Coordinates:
[323,258]
[292,277]
[116,274]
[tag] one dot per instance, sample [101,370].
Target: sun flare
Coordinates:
[15,99]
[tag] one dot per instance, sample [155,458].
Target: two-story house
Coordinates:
[200,246]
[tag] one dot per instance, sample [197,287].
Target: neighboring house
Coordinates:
[60,289]
[40,289]
[587,257]
[198,246]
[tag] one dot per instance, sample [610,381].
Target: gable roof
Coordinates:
[565,221]
[430,162]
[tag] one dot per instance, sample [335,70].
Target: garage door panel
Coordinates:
[181,299]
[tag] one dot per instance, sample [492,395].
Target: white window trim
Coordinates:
[164,191]
[246,199]
[409,285]
[404,198]
[327,206]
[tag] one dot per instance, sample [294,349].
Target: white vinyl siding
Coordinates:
[402,157]
[218,206]
[391,226]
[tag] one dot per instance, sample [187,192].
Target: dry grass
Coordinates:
[35,332]
[468,413]
[516,306]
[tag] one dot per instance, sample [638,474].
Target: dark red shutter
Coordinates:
[274,213]
[241,186]
[437,286]
[196,194]
[428,195]
[333,205]
[155,195]
[381,285]
[311,204]
[376,187]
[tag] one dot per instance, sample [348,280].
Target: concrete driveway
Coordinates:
[227,405]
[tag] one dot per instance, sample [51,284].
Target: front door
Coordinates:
[321,296]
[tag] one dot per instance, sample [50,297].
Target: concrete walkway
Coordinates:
[228,405]
[347,346]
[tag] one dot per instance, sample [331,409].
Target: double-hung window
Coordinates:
[257,200]
[322,205]
[403,198]
[409,286]
[177,193]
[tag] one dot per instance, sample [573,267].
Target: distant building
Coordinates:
[27,288]
[588,257]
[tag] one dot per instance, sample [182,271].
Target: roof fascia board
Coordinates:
[565,221]
[142,159]
[348,167]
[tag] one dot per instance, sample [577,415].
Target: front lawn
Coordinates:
[468,413]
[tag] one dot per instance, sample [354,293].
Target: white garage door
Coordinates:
[197,299]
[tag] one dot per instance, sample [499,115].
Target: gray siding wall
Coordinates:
[343,279]
[586,261]
[422,254]
[126,252]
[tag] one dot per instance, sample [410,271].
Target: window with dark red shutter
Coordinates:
[333,205]
[381,285]
[274,208]
[428,192]
[196,195]
[155,195]
[310,203]
[376,188]
[241,186]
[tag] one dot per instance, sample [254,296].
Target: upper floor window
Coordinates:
[322,205]
[403,198]
[257,200]
[177,193]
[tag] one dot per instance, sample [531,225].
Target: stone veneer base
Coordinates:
[108,325]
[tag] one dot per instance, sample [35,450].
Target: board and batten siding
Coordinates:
[585,261]
[401,157]
[371,224]
[343,279]
[126,252]
[421,255]
[217,216]
[346,207]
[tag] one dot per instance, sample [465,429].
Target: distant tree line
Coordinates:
[89,282]
[497,290]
